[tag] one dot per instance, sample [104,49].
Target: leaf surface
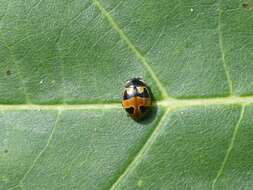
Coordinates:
[63,65]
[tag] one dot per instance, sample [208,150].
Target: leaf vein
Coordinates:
[43,150]
[33,7]
[132,47]
[230,147]
[138,157]
[225,66]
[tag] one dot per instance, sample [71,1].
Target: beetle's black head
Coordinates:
[135,82]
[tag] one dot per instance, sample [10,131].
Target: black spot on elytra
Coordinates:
[143,109]
[246,6]
[130,110]
[6,151]
[8,72]
[150,112]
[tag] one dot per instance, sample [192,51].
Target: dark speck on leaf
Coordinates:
[6,151]
[246,6]
[8,72]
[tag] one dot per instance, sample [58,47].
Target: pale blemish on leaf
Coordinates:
[140,183]
[4,179]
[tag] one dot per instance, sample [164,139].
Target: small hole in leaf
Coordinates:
[130,110]
[8,72]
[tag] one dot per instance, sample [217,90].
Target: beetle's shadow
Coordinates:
[151,115]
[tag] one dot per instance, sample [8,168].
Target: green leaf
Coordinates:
[63,65]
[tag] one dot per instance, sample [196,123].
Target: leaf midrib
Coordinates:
[169,103]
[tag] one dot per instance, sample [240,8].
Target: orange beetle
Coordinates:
[136,98]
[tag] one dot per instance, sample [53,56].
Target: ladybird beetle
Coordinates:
[136,98]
